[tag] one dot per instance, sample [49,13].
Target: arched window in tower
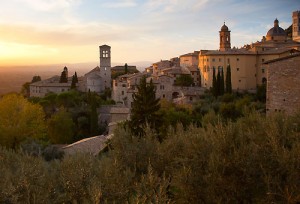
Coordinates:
[227,39]
[105,54]
[221,38]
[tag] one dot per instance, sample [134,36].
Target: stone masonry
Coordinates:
[283,84]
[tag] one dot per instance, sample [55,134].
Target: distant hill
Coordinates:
[13,77]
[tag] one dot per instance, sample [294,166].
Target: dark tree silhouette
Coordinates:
[214,85]
[63,77]
[228,80]
[144,109]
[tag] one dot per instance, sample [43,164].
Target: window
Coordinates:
[237,69]
[123,85]
[207,59]
[262,70]
[122,92]
[240,80]
[164,96]
[207,68]
[237,59]
[116,84]
[262,60]
[191,98]
[220,59]
[105,53]
[228,60]
[213,59]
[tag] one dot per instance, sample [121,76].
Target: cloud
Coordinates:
[174,6]
[49,5]
[120,4]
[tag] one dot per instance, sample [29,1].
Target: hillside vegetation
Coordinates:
[252,160]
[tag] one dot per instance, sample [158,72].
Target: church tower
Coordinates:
[224,38]
[105,65]
[296,26]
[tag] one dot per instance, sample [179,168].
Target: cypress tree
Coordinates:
[94,127]
[63,77]
[222,83]
[218,86]
[214,86]
[126,68]
[228,80]
[76,78]
[73,84]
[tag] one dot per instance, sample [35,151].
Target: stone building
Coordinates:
[247,63]
[97,80]
[296,26]
[124,86]
[191,62]
[283,84]
[51,85]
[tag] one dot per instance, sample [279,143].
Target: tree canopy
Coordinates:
[144,108]
[184,80]
[19,120]
[61,127]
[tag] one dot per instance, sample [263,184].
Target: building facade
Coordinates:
[97,80]
[247,64]
[283,86]
[296,26]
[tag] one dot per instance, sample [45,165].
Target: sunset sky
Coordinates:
[70,31]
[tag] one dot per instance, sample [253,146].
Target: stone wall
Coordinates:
[283,85]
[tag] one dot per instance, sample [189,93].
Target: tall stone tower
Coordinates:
[225,38]
[296,26]
[105,65]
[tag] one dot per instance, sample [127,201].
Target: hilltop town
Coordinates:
[184,79]
[209,126]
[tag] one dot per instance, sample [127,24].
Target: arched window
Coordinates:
[264,80]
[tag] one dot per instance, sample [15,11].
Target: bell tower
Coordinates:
[225,38]
[105,65]
[296,26]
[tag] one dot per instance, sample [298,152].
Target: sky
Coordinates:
[70,31]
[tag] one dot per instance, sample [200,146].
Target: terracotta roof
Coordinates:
[119,110]
[96,69]
[91,145]
[230,52]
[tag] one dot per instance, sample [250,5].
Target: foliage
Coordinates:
[63,77]
[252,160]
[76,78]
[184,80]
[125,68]
[61,127]
[228,80]
[94,127]
[214,83]
[20,120]
[36,79]
[144,108]
[73,83]
[25,91]
[261,92]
